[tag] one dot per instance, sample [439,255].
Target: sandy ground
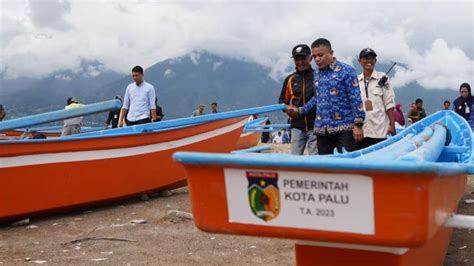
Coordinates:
[107,235]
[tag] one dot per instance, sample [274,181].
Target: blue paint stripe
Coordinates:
[183,122]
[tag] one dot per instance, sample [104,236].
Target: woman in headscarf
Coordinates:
[399,117]
[463,104]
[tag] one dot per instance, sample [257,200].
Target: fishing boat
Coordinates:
[47,175]
[251,137]
[393,203]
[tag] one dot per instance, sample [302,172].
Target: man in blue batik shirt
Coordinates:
[337,102]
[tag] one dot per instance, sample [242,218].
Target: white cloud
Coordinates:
[280,66]
[50,13]
[216,65]
[169,73]
[429,37]
[63,77]
[175,60]
[13,22]
[93,71]
[195,56]
[439,67]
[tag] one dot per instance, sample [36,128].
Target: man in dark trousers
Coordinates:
[266,135]
[113,117]
[296,91]
[159,111]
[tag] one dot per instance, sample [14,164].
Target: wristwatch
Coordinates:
[359,124]
[300,110]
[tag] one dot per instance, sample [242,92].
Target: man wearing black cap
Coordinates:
[378,98]
[296,91]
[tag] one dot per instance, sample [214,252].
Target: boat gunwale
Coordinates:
[319,163]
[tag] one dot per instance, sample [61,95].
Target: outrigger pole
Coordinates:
[38,119]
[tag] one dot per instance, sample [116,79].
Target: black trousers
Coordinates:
[327,143]
[138,122]
[366,142]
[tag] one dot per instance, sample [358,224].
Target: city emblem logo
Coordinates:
[264,195]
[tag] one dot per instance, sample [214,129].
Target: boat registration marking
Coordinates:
[318,201]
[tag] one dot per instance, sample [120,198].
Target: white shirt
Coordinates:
[277,139]
[376,122]
[139,100]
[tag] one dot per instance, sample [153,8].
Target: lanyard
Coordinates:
[366,83]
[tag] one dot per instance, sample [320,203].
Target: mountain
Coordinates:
[181,84]
[433,99]
[24,96]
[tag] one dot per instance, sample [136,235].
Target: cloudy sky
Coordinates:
[435,41]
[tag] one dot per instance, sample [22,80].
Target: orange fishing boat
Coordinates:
[38,176]
[250,138]
[393,203]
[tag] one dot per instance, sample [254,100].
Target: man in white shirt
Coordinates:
[139,101]
[378,100]
[278,138]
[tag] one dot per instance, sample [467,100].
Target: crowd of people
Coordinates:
[332,108]
[281,137]
[200,111]
[139,106]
